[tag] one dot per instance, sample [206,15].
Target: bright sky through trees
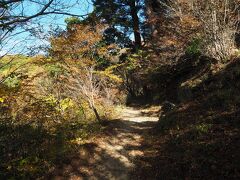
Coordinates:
[23,40]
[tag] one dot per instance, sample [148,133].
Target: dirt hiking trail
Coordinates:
[113,154]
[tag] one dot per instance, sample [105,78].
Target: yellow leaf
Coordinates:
[2,100]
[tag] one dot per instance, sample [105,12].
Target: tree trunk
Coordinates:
[135,21]
[146,93]
[96,114]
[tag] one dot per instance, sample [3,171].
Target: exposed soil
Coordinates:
[113,154]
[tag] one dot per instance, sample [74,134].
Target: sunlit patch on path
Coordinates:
[111,156]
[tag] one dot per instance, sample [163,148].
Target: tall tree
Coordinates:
[127,16]
[135,22]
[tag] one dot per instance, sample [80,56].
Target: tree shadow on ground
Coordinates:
[193,148]
[110,157]
[22,149]
[33,151]
[29,151]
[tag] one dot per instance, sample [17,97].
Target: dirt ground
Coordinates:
[111,155]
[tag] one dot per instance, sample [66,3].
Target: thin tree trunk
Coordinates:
[96,114]
[135,20]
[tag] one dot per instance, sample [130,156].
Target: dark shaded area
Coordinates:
[194,149]
[200,139]
[164,83]
[29,151]
[238,40]
[22,148]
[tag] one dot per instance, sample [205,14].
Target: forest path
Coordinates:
[113,155]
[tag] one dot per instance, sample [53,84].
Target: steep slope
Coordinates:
[200,138]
